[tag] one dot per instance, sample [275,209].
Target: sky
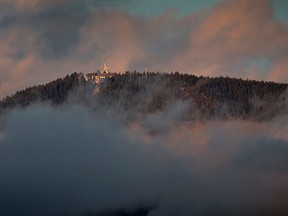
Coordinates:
[71,160]
[44,40]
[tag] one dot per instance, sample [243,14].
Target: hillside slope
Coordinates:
[198,97]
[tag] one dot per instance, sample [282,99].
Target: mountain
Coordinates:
[139,144]
[142,93]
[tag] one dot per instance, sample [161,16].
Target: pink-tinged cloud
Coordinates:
[15,68]
[227,39]
[212,43]
[22,5]
[27,4]
[237,31]
[279,72]
[113,35]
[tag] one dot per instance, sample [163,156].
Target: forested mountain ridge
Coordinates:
[55,92]
[198,97]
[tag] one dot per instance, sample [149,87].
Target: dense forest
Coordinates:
[199,97]
[55,92]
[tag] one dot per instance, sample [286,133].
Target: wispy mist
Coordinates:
[67,160]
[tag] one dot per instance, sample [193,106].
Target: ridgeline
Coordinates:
[199,97]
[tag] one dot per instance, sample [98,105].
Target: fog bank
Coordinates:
[68,160]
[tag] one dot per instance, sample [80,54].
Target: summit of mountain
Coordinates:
[149,92]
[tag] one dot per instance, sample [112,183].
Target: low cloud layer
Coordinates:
[41,41]
[68,160]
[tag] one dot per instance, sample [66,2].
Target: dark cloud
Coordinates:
[58,26]
[68,160]
[266,155]
[70,165]
[57,23]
